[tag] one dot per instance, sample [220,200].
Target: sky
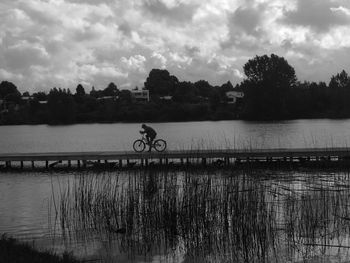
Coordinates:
[61,43]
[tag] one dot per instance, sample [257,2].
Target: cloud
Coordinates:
[24,54]
[136,63]
[319,15]
[60,43]
[158,60]
[247,19]
[170,10]
[246,27]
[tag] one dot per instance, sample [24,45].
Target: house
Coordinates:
[26,98]
[108,98]
[140,95]
[166,98]
[233,95]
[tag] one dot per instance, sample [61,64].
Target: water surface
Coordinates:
[182,135]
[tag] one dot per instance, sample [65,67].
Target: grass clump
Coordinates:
[12,251]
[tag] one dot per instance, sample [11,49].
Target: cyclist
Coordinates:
[150,135]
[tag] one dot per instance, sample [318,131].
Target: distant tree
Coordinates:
[204,89]
[26,94]
[61,106]
[268,83]
[111,90]
[185,92]
[341,80]
[40,96]
[160,83]
[226,87]
[80,91]
[125,96]
[93,92]
[7,88]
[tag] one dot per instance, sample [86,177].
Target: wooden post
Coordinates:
[47,164]
[121,163]
[78,163]
[128,162]
[187,161]
[33,165]
[204,161]
[84,163]
[160,161]
[146,162]
[22,165]
[166,161]
[69,164]
[182,161]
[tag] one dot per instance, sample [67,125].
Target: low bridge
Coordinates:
[125,159]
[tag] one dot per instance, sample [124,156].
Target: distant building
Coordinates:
[233,96]
[166,97]
[140,95]
[106,98]
[27,98]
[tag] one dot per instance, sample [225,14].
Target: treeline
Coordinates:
[185,101]
[271,92]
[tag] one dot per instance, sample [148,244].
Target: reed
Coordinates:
[218,215]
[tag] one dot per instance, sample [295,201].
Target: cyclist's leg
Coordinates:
[149,142]
[151,139]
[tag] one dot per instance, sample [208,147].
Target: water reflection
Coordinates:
[222,216]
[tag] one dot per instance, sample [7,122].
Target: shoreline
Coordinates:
[14,251]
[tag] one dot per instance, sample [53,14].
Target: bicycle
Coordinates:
[140,144]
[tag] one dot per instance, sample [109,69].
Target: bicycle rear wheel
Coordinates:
[139,145]
[159,145]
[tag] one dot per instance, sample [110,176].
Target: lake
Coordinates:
[182,215]
[182,135]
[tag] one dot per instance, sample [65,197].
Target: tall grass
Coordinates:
[213,216]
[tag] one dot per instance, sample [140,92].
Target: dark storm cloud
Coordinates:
[317,14]
[179,13]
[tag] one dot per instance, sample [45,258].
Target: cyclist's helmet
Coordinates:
[143,125]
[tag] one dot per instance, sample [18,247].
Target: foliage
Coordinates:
[271,91]
[268,84]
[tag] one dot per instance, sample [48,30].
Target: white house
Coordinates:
[140,95]
[233,95]
[166,97]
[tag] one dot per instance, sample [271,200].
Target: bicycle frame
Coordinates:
[143,138]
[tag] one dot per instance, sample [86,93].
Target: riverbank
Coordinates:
[12,251]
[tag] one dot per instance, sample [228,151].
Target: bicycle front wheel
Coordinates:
[160,145]
[139,146]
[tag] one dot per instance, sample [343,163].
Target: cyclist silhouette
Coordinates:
[150,135]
